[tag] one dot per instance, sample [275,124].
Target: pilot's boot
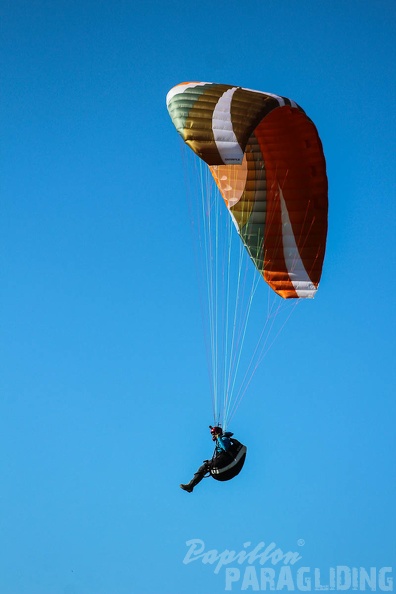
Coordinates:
[188,487]
[197,478]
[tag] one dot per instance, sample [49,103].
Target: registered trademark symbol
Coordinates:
[301,542]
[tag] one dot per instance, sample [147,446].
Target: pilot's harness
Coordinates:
[208,473]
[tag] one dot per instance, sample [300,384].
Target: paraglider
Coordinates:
[227,460]
[267,161]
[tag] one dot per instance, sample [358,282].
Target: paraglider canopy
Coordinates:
[268,163]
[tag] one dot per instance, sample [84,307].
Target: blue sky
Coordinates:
[103,385]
